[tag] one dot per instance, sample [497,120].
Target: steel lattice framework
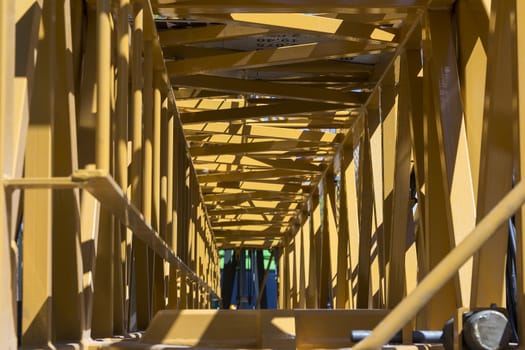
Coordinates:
[366,142]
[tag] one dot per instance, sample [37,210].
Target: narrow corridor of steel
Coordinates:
[364,143]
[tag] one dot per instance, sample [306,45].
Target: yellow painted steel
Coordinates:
[103,298]
[359,140]
[388,101]
[455,149]
[68,307]
[121,154]
[401,189]
[498,149]
[8,336]
[326,25]
[264,58]
[209,33]
[102,139]
[158,297]
[365,195]
[473,31]
[520,51]
[37,319]
[409,306]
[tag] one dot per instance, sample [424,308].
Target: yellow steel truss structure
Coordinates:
[377,144]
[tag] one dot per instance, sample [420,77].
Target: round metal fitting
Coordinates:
[486,330]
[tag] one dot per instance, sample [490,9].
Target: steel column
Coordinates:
[37,319]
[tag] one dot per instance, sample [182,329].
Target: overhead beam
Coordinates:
[226,161]
[342,6]
[321,154]
[237,211]
[314,24]
[273,56]
[248,175]
[292,164]
[248,233]
[184,93]
[250,203]
[321,67]
[183,52]
[288,217]
[306,156]
[242,148]
[312,123]
[248,222]
[287,181]
[247,244]
[254,186]
[214,197]
[287,133]
[254,230]
[349,82]
[200,140]
[207,33]
[240,243]
[260,87]
[277,109]
[215,128]
[254,130]
[205,104]
[263,203]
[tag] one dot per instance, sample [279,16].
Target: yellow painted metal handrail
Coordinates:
[419,297]
[104,188]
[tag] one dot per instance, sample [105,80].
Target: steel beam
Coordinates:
[158,298]
[396,288]
[497,154]
[365,197]
[277,109]
[207,33]
[520,51]
[312,299]
[353,6]
[314,24]
[273,56]
[451,132]
[277,89]
[123,110]
[103,301]
[248,175]
[37,319]
[271,211]
[348,170]
[68,305]
[8,332]
[436,216]
[249,148]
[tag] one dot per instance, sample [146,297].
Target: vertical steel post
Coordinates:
[37,319]
[8,338]
[103,139]
[520,43]
[121,154]
[68,293]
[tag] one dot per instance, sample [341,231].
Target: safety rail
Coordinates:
[445,270]
[104,188]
